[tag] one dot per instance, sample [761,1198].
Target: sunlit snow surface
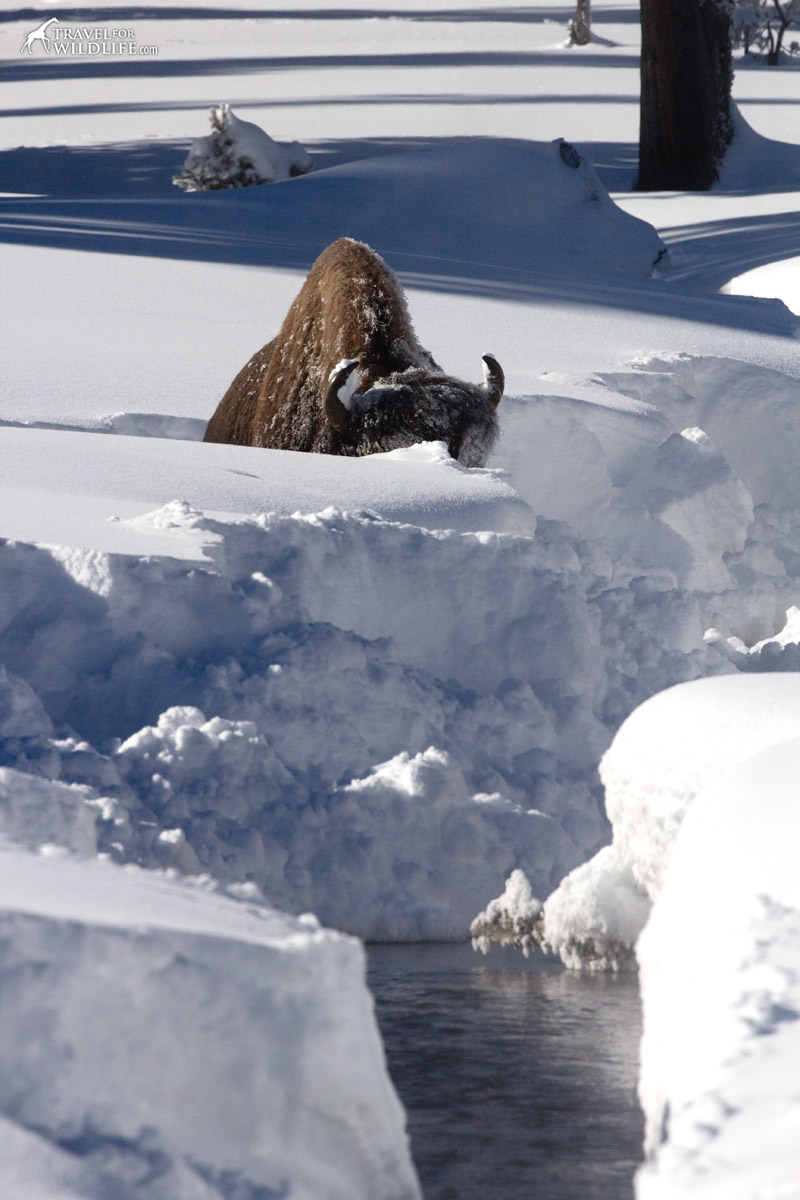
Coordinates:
[374,688]
[781,279]
[719,956]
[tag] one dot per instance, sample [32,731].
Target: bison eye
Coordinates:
[342,382]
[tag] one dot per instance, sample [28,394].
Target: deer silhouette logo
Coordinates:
[38,35]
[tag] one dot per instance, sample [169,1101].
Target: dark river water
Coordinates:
[518,1077]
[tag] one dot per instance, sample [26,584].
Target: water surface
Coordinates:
[518,1077]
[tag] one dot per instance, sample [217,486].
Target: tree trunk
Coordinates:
[686,73]
[580,31]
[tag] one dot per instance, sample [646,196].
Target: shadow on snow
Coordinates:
[401,98]
[127,170]
[516,15]
[120,199]
[79,66]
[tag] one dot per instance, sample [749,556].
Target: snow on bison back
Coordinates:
[346,374]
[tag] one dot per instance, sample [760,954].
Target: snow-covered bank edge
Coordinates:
[207,703]
[700,884]
[720,977]
[161,1039]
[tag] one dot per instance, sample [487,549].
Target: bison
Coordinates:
[346,374]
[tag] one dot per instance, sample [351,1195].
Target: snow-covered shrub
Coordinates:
[239,154]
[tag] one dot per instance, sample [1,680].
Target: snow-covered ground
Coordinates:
[370,688]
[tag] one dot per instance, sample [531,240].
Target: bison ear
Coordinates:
[342,382]
[494,381]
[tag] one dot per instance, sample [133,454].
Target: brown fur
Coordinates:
[350,306]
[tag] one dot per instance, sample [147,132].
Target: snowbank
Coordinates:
[777,279]
[472,215]
[701,882]
[160,1039]
[81,489]
[239,154]
[208,703]
[720,973]
[618,470]
[536,206]
[224,675]
[749,412]
[663,756]
[710,722]
[680,462]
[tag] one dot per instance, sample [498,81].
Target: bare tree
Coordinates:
[686,75]
[763,23]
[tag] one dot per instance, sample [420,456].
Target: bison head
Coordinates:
[415,405]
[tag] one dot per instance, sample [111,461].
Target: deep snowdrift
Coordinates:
[548,212]
[295,702]
[388,814]
[67,487]
[457,212]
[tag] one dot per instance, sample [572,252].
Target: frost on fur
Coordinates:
[346,374]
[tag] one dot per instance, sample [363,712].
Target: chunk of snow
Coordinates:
[618,472]
[145,1021]
[510,919]
[36,812]
[694,491]
[781,652]
[673,744]
[22,714]
[596,914]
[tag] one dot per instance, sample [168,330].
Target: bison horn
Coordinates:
[494,381]
[342,382]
